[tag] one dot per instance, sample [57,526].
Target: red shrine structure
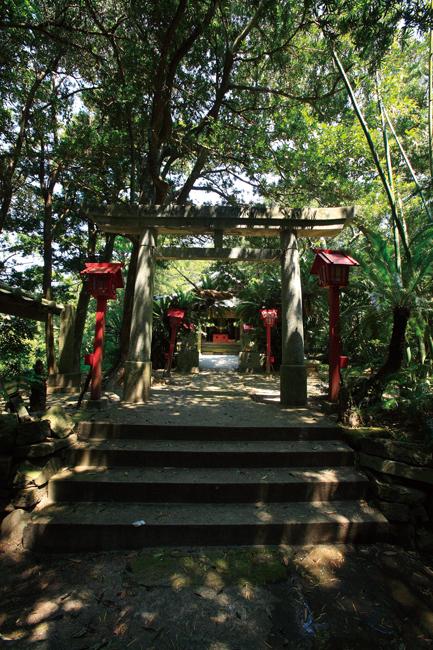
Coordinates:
[104,278]
[332,269]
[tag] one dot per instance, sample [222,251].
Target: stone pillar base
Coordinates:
[293,386]
[138,377]
[64,383]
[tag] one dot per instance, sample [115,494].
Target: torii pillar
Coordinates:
[293,373]
[138,367]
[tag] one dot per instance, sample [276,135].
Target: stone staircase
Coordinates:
[131,486]
[220,348]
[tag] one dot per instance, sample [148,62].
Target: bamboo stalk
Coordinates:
[374,153]
[397,252]
[408,164]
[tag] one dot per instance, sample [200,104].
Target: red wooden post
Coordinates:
[98,348]
[269,318]
[268,349]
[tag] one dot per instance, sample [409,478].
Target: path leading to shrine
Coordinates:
[217,399]
[219,362]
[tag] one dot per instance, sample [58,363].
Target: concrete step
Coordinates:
[221,485]
[108,526]
[172,453]
[108,430]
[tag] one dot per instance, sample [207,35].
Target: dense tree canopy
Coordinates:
[311,103]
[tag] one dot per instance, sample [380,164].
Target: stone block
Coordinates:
[31,474]
[32,432]
[45,448]
[12,526]
[8,431]
[53,466]
[25,475]
[395,511]
[60,422]
[398,493]
[404,452]
[97,404]
[29,497]
[392,467]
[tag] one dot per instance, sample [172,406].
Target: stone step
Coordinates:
[174,485]
[107,430]
[184,453]
[75,527]
[220,348]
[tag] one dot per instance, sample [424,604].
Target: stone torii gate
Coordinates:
[286,223]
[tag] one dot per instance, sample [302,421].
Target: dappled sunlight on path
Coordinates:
[214,399]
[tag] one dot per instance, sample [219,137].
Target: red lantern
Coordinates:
[269,318]
[103,280]
[332,269]
[176,316]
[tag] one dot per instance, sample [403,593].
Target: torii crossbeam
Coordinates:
[288,224]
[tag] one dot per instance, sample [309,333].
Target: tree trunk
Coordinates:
[395,357]
[47,281]
[83,302]
[128,303]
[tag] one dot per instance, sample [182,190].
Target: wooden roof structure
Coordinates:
[16,302]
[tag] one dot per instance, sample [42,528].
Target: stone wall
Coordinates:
[401,475]
[31,452]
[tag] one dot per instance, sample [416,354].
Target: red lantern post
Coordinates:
[332,267]
[269,318]
[175,318]
[103,278]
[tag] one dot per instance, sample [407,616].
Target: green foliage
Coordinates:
[125,110]
[15,345]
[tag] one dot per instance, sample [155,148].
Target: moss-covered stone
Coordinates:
[60,422]
[212,569]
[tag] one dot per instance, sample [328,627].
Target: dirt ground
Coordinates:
[211,397]
[327,597]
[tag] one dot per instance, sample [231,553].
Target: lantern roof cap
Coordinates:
[102,267]
[176,312]
[330,257]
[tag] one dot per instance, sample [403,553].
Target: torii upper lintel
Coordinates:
[248,221]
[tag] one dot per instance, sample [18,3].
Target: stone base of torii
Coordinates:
[286,223]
